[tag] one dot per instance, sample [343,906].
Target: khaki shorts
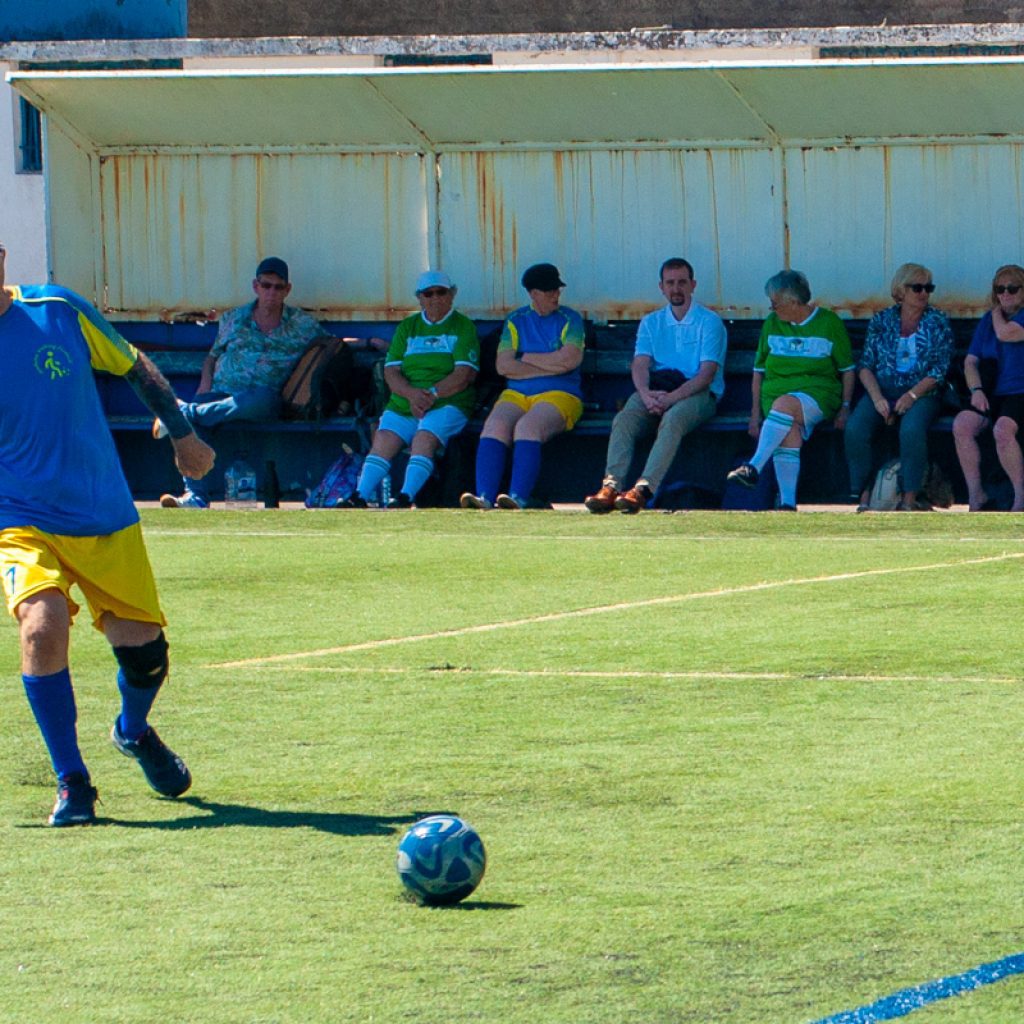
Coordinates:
[112,571]
[568,405]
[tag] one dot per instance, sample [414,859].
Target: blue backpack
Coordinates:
[338,483]
[760,498]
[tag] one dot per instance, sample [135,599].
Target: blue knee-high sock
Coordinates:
[374,470]
[52,700]
[491,455]
[136,703]
[525,468]
[417,473]
[773,432]
[787,471]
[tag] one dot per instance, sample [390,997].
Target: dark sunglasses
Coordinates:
[918,287]
[1011,289]
[433,293]
[272,286]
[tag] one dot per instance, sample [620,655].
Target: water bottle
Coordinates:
[240,484]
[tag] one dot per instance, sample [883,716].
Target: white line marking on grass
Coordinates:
[632,539]
[579,613]
[739,677]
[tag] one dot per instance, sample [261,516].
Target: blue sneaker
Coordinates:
[187,500]
[76,801]
[164,770]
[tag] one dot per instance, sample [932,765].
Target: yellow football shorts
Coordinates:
[568,405]
[112,571]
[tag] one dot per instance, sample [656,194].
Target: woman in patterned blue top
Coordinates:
[903,366]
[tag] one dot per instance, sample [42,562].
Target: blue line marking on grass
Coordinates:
[907,1000]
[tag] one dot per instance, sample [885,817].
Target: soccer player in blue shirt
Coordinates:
[67,517]
[539,354]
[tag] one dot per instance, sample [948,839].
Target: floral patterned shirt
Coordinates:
[248,358]
[899,363]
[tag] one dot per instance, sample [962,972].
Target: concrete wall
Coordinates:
[22,220]
[222,18]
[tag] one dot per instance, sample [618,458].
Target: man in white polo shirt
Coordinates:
[678,370]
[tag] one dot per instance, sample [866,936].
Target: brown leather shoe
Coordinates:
[634,500]
[603,501]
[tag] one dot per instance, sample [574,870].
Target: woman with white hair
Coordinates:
[803,374]
[902,367]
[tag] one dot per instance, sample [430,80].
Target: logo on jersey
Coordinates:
[53,361]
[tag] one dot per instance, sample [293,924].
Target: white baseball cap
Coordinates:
[433,279]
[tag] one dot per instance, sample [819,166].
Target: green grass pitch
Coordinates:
[735,769]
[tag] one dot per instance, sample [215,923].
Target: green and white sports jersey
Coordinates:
[807,357]
[427,353]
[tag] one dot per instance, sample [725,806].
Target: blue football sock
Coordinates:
[374,470]
[787,471]
[135,706]
[525,468]
[773,432]
[417,473]
[491,455]
[52,700]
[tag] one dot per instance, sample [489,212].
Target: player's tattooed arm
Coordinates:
[152,388]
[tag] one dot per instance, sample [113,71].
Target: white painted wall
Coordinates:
[22,216]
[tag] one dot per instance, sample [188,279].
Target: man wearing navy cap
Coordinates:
[241,379]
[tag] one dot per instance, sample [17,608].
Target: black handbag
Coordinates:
[665,380]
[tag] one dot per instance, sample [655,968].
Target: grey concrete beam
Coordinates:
[651,39]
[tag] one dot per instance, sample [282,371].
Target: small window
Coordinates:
[31,145]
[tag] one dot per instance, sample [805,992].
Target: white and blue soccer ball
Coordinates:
[441,860]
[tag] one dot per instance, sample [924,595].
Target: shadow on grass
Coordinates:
[219,815]
[481,905]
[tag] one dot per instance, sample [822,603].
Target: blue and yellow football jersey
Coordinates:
[59,469]
[525,330]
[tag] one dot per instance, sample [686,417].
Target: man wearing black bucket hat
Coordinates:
[539,354]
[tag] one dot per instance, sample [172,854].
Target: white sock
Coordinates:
[773,432]
[787,472]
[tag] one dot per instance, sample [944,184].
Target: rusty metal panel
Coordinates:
[165,188]
[608,220]
[185,232]
[856,214]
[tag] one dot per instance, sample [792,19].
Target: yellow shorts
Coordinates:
[113,571]
[568,405]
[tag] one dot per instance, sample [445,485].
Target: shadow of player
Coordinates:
[222,815]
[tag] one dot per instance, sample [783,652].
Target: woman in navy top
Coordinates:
[994,371]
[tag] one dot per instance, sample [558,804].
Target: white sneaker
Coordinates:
[470,500]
